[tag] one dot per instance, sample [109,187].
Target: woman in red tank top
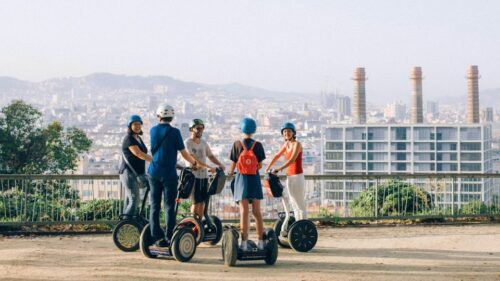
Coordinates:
[292,150]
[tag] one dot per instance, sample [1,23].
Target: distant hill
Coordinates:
[7,83]
[110,81]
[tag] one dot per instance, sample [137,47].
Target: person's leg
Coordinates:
[259,224]
[244,219]
[297,195]
[202,197]
[284,226]
[199,208]
[155,202]
[170,193]
[131,193]
[126,199]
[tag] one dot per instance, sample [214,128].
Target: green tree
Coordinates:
[391,199]
[28,147]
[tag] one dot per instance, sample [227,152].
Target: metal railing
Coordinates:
[46,199]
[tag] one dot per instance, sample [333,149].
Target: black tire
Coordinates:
[183,245]
[303,236]
[197,227]
[230,247]
[146,241]
[282,241]
[271,245]
[218,230]
[126,235]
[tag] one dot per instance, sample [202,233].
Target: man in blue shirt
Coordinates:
[166,141]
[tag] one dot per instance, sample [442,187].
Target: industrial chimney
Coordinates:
[359,102]
[472,94]
[417,115]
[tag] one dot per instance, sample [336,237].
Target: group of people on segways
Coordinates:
[179,240]
[162,182]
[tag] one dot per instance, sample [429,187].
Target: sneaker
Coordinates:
[162,243]
[244,245]
[262,245]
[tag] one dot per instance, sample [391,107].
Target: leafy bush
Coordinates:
[100,209]
[478,208]
[392,198]
[17,205]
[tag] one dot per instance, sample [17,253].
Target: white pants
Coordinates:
[296,197]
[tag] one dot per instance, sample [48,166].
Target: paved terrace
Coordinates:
[356,253]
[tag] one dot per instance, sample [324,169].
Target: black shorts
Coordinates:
[200,191]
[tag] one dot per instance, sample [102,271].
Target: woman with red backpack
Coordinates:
[247,156]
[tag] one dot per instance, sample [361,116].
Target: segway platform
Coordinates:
[231,252]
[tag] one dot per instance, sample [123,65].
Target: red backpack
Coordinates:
[247,161]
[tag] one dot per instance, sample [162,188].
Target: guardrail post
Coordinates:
[376,197]
[453,196]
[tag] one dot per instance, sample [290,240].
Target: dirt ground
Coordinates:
[356,253]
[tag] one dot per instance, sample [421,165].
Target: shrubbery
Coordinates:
[393,198]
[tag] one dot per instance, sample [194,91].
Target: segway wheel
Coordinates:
[145,241]
[126,235]
[230,247]
[196,226]
[183,244]
[303,236]
[271,245]
[282,241]
[218,230]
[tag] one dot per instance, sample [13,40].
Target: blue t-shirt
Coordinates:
[165,158]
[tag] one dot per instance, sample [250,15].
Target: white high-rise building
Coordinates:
[408,149]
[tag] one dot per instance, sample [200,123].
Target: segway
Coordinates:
[231,252]
[127,232]
[300,235]
[183,243]
[212,225]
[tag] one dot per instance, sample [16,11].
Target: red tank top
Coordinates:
[296,167]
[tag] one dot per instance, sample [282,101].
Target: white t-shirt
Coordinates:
[201,151]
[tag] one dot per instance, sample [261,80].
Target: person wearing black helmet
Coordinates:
[132,168]
[292,150]
[200,150]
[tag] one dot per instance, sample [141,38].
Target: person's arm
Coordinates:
[231,168]
[275,158]
[297,147]
[214,159]
[139,154]
[202,165]
[185,154]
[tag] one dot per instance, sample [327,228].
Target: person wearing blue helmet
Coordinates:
[133,165]
[247,156]
[295,181]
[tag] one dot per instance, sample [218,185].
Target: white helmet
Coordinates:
[164,110]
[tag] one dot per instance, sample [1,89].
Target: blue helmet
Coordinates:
[134,118]
[288,125]
[248,126]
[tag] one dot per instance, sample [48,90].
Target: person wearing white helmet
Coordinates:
[166,141]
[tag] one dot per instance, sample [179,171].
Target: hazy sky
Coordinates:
[303,46]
